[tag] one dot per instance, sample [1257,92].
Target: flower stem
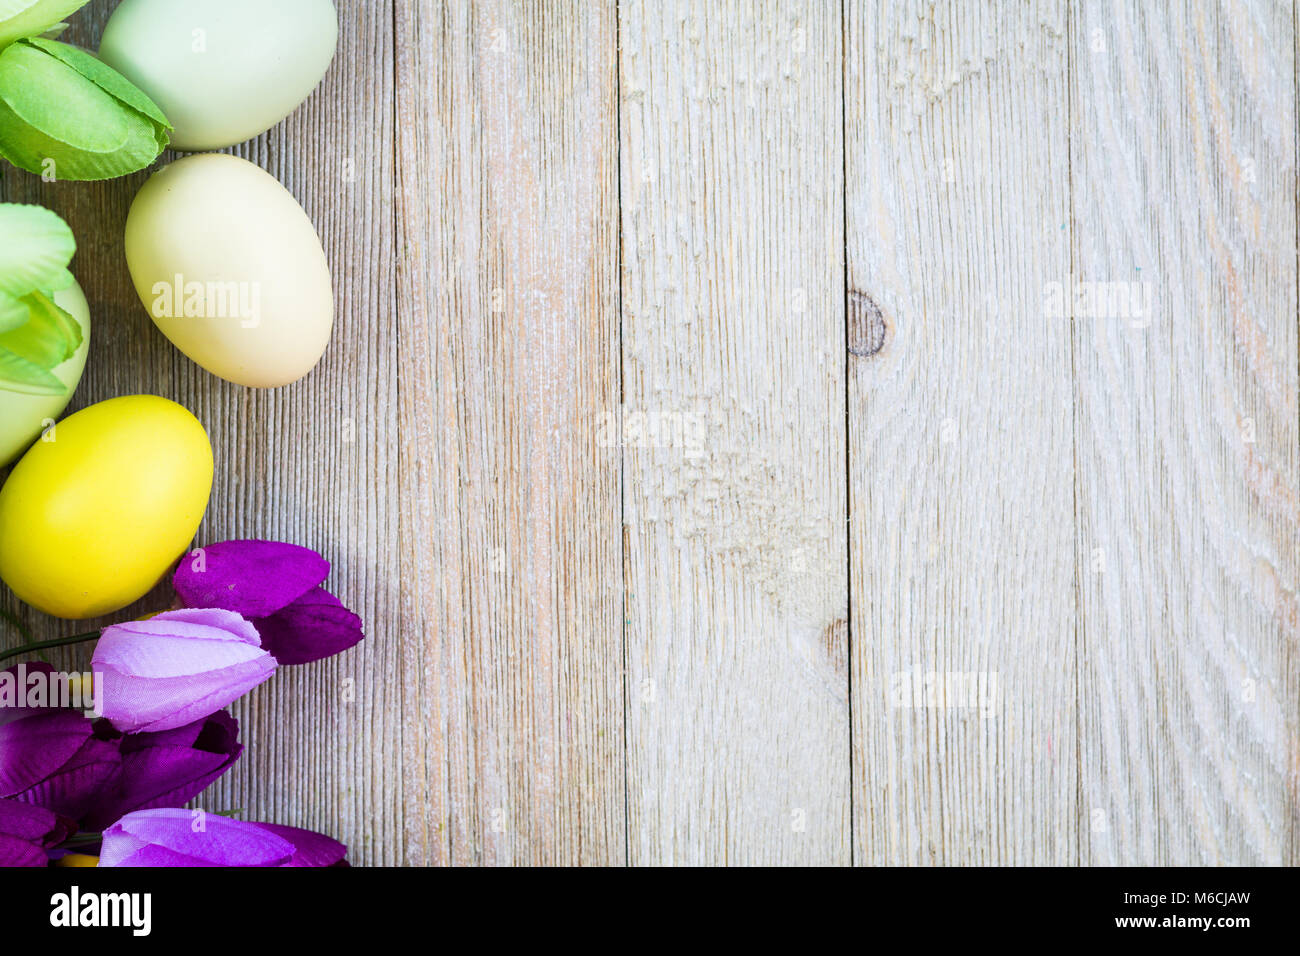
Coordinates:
[16,623]
[80,839]
[43,645]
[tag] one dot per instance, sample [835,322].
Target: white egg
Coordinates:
[23,417]
[231,270]
[222,71]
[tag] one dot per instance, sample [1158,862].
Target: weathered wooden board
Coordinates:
[733,433]
[960,457]
[314,463]
[706,376]
[511,543]
[1183,160]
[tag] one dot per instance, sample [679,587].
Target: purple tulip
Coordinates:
[172,837]
[165,769]
[9,710]
[177,667]
[26,832]
[277,587]
[54,760]
[37,745]
[309,848]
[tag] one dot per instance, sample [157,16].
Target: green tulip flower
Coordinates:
[35,334]
[66,115]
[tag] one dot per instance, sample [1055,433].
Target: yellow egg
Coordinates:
[101,507]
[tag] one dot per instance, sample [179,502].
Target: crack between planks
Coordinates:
[1290,849]
[622,452]
[1079,629]
[848,433]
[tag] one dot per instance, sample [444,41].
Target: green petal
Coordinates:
[35,249]
[25,18]
[14,312]
[105,77]
[29,149]
[48,339]
[19,375]
[47,95]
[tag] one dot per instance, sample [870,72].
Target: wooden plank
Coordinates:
[961,540]
[313,463]
[1184,164]
[511,546]
[733,432]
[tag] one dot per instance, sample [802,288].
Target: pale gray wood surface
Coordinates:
[1184,172]
[733,360]
[511,545]
[696,374]
[960,433]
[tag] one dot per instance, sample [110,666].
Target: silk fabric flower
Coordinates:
[174,837]
[12,677]
[27,832]
[164,769]
[171,837]
[309,848]
[177,667]
[55,760]
[277,587]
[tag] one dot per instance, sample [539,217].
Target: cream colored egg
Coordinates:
[222,71]
[231,270]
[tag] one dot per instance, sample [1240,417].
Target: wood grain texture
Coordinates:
[1184,166]
[960,459]
[704,372]
[314,463]
[512,636]
[733,433]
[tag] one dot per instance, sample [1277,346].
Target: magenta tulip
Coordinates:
[27,832]
[174,837]
[165,769]
[277,587]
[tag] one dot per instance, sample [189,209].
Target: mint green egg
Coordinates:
[223,71]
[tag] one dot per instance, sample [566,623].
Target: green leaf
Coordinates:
[105,77]
[58,102]
[17,374]
[48,339]
[35,249]
[26,18]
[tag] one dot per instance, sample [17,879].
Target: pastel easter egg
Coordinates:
[223,71]
[231,270]
[95,514]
